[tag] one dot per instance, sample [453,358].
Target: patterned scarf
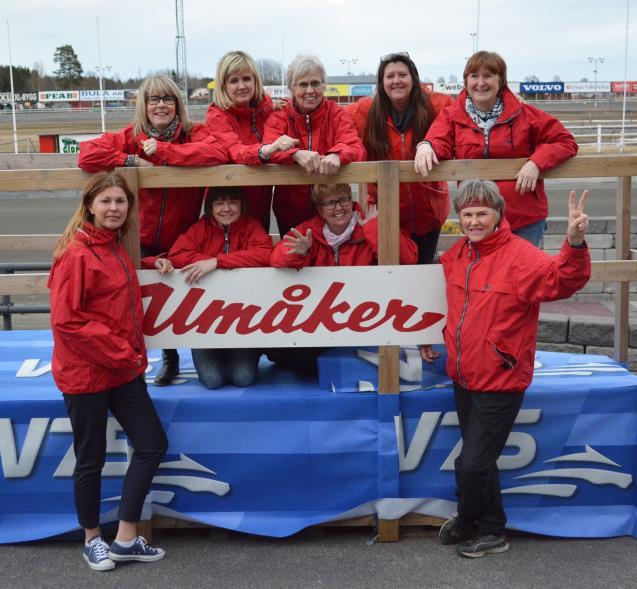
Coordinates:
[484,120]
[167,134]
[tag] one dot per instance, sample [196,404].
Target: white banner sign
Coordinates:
[5,97]
[71,143]
[449,87]
[107,94]
[586,87]
[273,307]
[277,91]
[59,96]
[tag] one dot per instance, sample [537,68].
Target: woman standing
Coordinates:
[488,121]
[237,117]
[326,138]
[99,361]
[224,238]
[391,124]
[161,135]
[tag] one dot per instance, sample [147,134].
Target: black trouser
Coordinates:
[167,355]
[486,420]
[427,245]
[135,412]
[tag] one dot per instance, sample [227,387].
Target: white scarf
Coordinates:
[336,241]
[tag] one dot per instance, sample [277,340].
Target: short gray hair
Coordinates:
[482,193]
[303,65]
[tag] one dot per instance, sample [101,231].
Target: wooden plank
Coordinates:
[131,237]
[235,175]
[28,180]
[28,243]
[28,161]
[23,284]
[614,271]
[388,530]
[622,289]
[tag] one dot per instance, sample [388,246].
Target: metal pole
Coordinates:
[15,129]
[622,135]
[478,28]
[101,71]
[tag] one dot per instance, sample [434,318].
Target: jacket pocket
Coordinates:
[507,361]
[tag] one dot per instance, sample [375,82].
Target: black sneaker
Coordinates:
[482,545]
[456,530]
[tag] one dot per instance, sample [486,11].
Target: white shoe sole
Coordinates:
[105,565]
[136,557]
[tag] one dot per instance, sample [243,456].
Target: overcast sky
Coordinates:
[545,38]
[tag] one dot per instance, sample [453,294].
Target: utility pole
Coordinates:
[182,71]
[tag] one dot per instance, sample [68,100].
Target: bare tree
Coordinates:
[453,78]
[270,71]
[532,78]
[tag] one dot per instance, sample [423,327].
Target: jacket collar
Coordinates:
[318,113]
[90,235]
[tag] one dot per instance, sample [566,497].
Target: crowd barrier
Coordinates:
[388,175]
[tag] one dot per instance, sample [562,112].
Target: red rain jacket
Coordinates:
[242,244]
[424,206]
[96,315]
[522,131]
[494,290]
[240,131]
[165,213]
[327,129]
[360,250]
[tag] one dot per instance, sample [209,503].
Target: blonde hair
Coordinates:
[94,187]
[158,86]
[232,63]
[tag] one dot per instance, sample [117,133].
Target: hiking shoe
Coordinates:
[140,551]
[482,545]
[456,530]
[96,555]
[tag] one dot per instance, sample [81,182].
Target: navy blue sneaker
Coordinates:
[456,531]
[140,551]
[96,555]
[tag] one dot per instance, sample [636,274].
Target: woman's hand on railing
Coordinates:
[527,177]
[297,243]
[194,272]
[577,219]
[164,265]
[283,143]
[150,146]
[425,159]
[330,164]
[310,161]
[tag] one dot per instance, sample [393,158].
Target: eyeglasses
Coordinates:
[392,56]
[330,205]
[314,84]
[167,100]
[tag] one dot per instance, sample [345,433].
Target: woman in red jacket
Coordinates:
[488,121]
[495,283]
[338,235]
[224,238]
[161,135]
[237,117]
[391,124]
[326,134]
[99,361]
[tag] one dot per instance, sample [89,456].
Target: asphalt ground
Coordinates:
[330,558]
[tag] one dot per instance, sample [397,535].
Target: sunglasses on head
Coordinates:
[393,56]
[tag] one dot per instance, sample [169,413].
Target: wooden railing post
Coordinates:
[622,248]
[131,237]
[388,254]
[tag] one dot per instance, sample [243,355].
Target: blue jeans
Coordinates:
[534,233]
[216,366]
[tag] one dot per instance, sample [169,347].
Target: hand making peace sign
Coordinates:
[577,219]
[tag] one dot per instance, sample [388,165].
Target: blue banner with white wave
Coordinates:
[286,454]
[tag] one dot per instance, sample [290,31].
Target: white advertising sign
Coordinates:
[59,96]
[583,87]
[107,94]
[71,143]
[5,97]
[449,87]
[273,307]
[277,91]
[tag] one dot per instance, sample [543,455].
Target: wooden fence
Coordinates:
[388,175]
